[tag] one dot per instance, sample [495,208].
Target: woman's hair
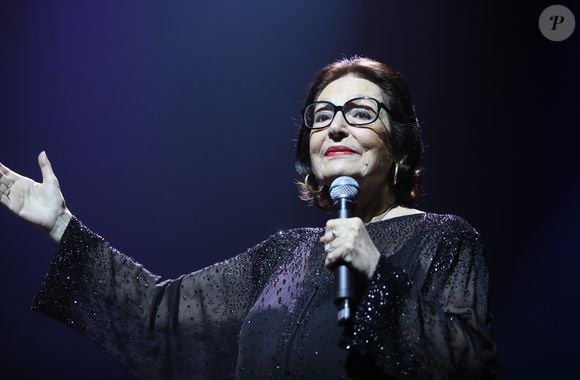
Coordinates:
[405,142]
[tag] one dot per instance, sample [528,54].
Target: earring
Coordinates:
[312,187]
[396,174]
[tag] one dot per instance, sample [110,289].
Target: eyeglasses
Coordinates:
[357,111]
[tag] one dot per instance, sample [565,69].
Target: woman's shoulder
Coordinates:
[289,238]
[430,223]
[296,233]
[449,222]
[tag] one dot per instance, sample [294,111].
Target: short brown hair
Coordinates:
[406,145]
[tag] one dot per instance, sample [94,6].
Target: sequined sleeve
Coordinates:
[183,328]
[433,323]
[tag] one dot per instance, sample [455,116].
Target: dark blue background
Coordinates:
[170,126]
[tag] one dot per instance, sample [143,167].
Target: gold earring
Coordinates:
[311,187]
[396,174]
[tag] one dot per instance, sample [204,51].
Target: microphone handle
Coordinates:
[344,277]
[346,208]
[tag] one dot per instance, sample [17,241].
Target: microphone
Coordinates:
[343,192]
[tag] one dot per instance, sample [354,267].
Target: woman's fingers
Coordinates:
[334,229]
[332,256]
[41,204]
[4,199]
[332,243]
[347,241]
[328,236]
[5,175]
[335,249]
[48,175]
[6,182]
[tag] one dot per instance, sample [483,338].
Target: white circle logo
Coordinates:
[557,23]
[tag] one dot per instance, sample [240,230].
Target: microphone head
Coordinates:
[343,187]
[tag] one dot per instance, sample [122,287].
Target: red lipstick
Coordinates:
[338,150]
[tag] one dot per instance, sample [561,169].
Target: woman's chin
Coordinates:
[331,176]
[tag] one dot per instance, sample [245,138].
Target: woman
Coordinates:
[268,312]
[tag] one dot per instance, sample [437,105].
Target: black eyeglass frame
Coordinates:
[336,109]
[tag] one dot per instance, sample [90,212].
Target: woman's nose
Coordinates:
[338,129]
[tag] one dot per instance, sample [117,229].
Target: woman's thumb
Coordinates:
[48,175]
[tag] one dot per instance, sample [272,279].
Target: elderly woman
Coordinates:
[269,312]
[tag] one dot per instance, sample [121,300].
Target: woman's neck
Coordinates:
[384,215]
[375,207]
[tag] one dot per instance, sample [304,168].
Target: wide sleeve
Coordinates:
[433,323]
[182,328]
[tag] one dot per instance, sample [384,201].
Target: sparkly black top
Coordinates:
[269,312]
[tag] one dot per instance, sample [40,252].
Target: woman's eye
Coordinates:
[361,114]
[321,117]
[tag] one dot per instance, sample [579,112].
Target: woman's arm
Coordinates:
[182,328]
[437,327]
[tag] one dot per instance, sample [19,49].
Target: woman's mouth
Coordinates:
[338,151]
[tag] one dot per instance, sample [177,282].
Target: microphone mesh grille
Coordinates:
[343,187]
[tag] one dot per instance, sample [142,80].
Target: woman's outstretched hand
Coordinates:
[41,204]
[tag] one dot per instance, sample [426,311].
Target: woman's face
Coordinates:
[357,151]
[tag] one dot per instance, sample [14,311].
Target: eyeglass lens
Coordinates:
[358,111]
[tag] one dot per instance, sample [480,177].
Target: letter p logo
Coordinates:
[556,23]
[556,20]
